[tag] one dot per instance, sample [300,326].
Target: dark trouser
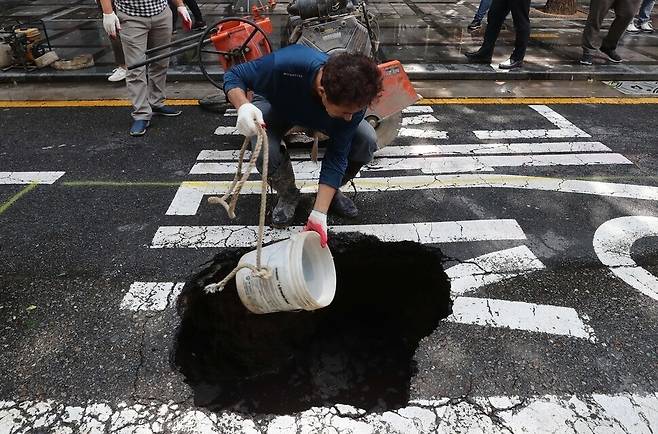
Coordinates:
[364,143]
[496,17]
[194,8]
[625,10]
[116,44]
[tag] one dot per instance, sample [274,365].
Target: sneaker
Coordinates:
[646,27]
[632,28]
[165,111]
[587,59]
[199,25]
[118,74]
[475,25]
[511,64]
[612,55]
[478,57]
[139,127]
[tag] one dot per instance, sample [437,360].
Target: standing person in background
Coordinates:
[476,24]
[625,10]
[642,21]
[118,73]
[144,24]
[499,10]
[199,24]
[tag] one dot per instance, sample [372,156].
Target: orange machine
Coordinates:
[241,41]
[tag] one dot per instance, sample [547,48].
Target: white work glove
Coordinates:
[317,222]
[185,15]
[249,117]
[111,24]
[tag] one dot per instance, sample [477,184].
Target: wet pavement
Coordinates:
[428,37]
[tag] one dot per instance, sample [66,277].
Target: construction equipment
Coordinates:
[29,46]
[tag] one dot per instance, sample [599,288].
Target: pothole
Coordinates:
[358,351]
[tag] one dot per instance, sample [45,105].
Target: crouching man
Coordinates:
[300,86]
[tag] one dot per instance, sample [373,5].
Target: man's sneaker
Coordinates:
[586,59]
[611,54]
[647,27]
[511,64]
[199,25]
[478,57]
[165,111]
[139,127]
[632,28]
[343,206]
[118,74]
[475,25]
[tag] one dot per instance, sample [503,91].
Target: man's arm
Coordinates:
[323,198]
[237,97]
[106,5]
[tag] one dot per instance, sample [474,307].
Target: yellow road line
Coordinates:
[5,206]
[120,184]
[424,101]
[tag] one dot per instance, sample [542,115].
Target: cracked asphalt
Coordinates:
[69,252]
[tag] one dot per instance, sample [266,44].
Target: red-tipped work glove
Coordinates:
[317,222]
[185,16]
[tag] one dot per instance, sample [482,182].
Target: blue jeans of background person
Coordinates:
[644,15]
[484,7]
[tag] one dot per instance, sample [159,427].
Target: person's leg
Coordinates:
[495,19]
[644,15]
[194,8]
[174,15]
[521,16]
[482,10]
[159,34]
[625,10]
[134,32]
[598,9]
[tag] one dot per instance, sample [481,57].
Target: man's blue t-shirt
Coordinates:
[286,79]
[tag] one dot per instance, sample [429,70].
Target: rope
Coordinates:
[233,192]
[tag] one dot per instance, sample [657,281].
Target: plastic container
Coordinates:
[303,276]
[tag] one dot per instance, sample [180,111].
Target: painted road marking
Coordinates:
[418,109]
[229,131]
[619,413]
[422,134]
[419,120]
[21,178]
[434,150]
[612,243]
[12,200]
[438,165]
[474,273]
[177,237]
[517,315]
[564,128]
[190,194]
[149,296]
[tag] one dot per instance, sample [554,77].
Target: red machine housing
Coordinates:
[231,37]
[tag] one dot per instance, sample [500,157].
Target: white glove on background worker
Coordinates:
[249,117]
[185,16]
[111,24]
[317,222]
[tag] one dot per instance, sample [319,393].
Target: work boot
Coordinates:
[343,206]
[288,195]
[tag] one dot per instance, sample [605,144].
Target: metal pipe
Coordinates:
[176,42]
[165,55]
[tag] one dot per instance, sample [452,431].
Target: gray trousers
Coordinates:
[364,142]
[146,85]
[625,10]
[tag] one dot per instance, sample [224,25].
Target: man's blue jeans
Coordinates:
[645,11]
[486,4]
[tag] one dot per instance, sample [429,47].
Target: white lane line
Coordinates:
[176,237]
[150,296]
[619,413]
[436,150]
[190,194]
[422,134]
[20,178]
[419,120]
[230,131]
[418,109]
[490,268]
[438,165]
[612,243]
[230,113]
[517,315]
[564,128]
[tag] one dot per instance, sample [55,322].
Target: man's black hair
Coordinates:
[351,79]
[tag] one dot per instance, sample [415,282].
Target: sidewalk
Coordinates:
[428,36]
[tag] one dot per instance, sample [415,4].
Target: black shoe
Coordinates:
[586,59]
[511,64]
[343,206]
[199,25]
[611,54]
[475,25]
[165,111]
[478,57]
[284,210]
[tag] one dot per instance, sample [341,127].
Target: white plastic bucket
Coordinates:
[303,276]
